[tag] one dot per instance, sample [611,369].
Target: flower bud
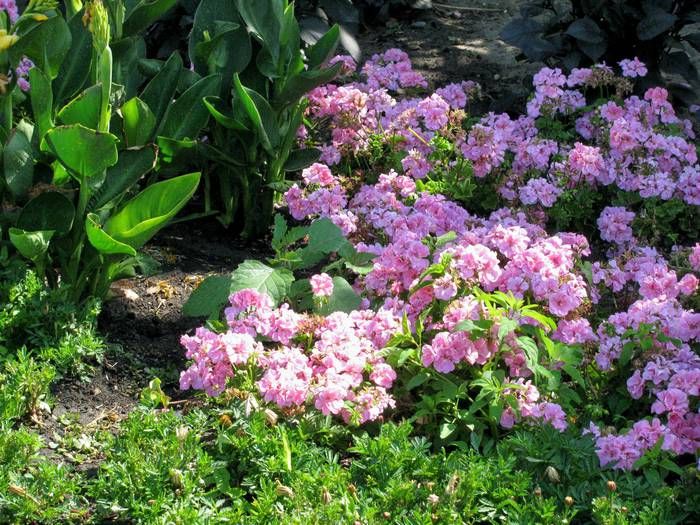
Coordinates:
[568,501]
[352,489]
[182,432]
[284,490]
[624,509]
[538,492]
[7,41]
[176,478]
[452,485]
[612,486]
[433,499]
[38,17]
[270,417]
[387,515]
[326,496]
[96,19]
[225,420]
[552,474]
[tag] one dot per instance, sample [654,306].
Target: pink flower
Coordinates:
[321,285]
[633,68]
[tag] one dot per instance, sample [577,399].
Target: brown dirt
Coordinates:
[143,323]
[460,42]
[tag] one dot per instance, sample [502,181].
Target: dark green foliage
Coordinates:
[573,33]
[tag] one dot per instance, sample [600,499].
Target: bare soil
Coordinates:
[458,40]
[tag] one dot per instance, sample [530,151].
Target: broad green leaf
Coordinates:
[132,165]
[83,109]
[84,152]
[42,101]
[75,68]
[275,282]
[264,20]
[586,30]
[343,298]
[47,211]
[145,13]
[46,45]
[228,51]
[209,297]
[301,158]
[188,115]
[127,53]
[324,49]
[160,91]
[655,23]
[32,245]
[101,241]
[18,161]
[139,122]
[144,215]
[325,237]
[208,13]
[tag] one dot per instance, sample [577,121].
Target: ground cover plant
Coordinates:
[460,317]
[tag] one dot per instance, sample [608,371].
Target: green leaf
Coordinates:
[46,45]
[417,380]
[228,51]
[655,23]
[222,115]
[83,109]
[446,430]
[84,152]
[324,49]
[263,123]
[47,211]
[139,122]
[132,165]
[301,158]
[209,297]
[101,241]
[144,215]
[75,68]
[275,282]
[18,161]
[127,53]
[32,245]
[505,327]
[264,20]
[208,13]
[325,237]
[187,116]
[144,14]
[160,91]
[42,100]
[343,298]
[586,30]
[626,353]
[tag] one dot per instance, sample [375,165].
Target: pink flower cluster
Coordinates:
[334,363]
[526,396]
[614,223]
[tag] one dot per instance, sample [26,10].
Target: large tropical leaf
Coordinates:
[152,209]
[83,151]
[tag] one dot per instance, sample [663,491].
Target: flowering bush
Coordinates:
[480,320]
